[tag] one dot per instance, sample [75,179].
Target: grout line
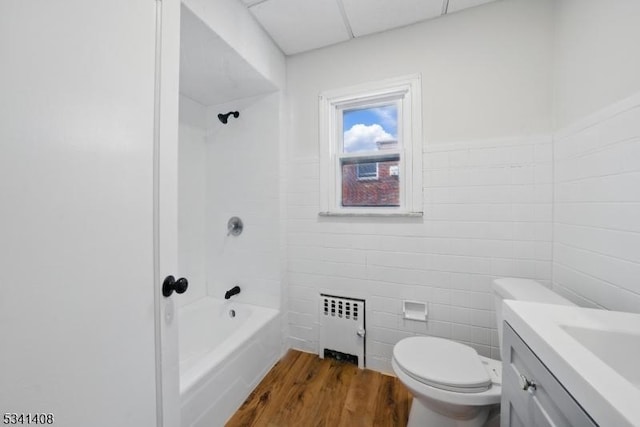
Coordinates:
[591,276]
[600,148]
[599,116]
[597,177]
[580,249]
[596,227]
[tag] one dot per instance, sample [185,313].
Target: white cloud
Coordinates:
[363,138]
[388,116]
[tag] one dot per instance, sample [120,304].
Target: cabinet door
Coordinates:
[545,403]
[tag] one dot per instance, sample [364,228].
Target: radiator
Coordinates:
[342,329]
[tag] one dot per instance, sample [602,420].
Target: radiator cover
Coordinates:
[342,327]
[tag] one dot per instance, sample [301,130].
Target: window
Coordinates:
[371,147]
[367,171]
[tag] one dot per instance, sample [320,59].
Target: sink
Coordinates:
[619,350]
[594,354]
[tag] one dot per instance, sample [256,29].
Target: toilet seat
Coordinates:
[443,364]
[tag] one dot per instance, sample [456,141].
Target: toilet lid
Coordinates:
[442,363]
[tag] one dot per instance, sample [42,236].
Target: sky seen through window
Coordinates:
[363,128]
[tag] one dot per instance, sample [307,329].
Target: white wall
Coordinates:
[596,61]
[191,198]
[597,209]
[233,23]
[487,182]
[597,147]
[486,73]
[243,179]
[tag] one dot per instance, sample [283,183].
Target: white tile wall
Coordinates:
[597,209]
[488,213]
[243,179]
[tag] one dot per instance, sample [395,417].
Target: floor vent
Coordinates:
[342,329]
[342,357]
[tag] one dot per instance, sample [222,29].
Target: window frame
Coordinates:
[406,93]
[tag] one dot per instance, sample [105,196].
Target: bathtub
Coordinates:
[226,348]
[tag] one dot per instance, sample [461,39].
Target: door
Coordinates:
[79,272]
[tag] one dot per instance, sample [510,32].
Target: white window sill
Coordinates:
[373,214]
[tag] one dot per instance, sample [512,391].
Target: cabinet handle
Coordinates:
[527,384]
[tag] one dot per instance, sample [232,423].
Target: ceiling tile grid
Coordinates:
[457,5]
[301,25]
[374,16]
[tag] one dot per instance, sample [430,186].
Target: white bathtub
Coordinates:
[222,358]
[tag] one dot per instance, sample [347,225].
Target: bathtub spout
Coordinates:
[231,292]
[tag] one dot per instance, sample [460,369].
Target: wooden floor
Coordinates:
[303,390]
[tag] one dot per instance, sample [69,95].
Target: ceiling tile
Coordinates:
[456,5]
[301,25]
[372,16]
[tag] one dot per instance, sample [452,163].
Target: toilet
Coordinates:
[452,385]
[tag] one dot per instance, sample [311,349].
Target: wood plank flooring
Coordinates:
[303,390]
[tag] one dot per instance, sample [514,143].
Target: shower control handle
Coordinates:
[170,284]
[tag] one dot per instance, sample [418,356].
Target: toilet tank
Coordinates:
[522,290]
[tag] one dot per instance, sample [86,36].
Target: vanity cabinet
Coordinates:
[531,395]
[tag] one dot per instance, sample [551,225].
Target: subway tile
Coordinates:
[390,289]
[523,175]
[387,336]
[440,312]
[396,275]
[385,304]
[614,243]
[459,314]
[383,319]
[612,270]
[483,318]
[379,349]
[302,345]
[543,174]
[380,364]
[458,158]
[436,160]
[304,306]
[521,154]
[482,203]
[301,319]
[416,261]
[303,333]
[630,153]
[543,153]
[621,127]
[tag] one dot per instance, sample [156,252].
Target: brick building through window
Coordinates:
[372,183]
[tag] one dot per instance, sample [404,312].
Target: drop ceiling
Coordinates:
[300,25]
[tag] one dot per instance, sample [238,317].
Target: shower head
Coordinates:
[224,117]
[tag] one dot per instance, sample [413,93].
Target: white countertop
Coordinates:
[595,354]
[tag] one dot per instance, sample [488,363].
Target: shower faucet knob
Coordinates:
[170,284]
